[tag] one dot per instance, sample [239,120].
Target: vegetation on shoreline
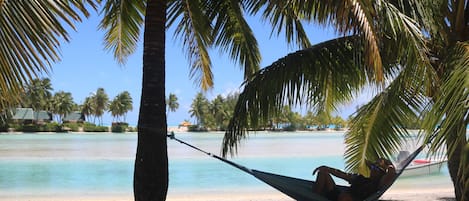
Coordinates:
[39,96]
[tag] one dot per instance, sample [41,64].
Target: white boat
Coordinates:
[420,167]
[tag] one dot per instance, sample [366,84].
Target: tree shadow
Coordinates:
[438,199]
[447,199]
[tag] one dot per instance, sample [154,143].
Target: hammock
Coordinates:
[301,189]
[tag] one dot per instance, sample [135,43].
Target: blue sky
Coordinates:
[85,66]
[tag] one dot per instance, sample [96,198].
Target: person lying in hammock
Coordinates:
[360,186]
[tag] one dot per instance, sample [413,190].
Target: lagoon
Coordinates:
[101,164]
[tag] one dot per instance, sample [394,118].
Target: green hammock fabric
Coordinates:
[301,189]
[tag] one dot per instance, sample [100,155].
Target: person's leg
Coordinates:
[324,183]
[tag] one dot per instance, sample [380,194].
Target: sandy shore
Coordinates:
[438,194]
[394,195]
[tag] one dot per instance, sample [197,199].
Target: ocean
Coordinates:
[101,164]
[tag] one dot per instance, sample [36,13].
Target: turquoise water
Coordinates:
[102,164]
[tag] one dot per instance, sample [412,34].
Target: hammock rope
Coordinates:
[301,189]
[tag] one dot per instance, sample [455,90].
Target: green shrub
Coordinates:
[15,127]
[119,127]
[89,127]
[291,127]
[4,127]
[29,128]
[75,127]
[197,128]
[132,129]
[49,127]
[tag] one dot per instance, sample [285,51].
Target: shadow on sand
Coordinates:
[437,199]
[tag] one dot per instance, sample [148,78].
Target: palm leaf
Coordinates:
[378,127]
[31,32]
[321,77]
[284,15]
[451,108]
[233,34]
[352,17]
[122,21]
[195,31]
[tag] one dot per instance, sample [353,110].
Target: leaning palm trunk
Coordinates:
[454,164]
[151,162]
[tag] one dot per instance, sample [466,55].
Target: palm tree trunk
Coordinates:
[151,162]
[454,161]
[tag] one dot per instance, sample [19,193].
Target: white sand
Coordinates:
[422,194]
[442,194]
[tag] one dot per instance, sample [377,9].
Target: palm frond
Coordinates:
[122,21]
[284,15]
[429,15]
[30,33]
[402,39]
[233,35]
[195,30]
[451,107]
[321,77]
[378,127]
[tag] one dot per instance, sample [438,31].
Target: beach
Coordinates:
[435,194]
[99,167]
[394,195]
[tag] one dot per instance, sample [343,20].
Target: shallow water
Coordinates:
[102,164]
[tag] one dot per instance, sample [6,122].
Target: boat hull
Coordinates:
[418,169]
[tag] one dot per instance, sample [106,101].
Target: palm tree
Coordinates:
[38,94]
[88,107]
[101,103]
[62,104]
[120,105]
[122,21]
[172,103]
[199,108]
[126,101]
[201,24]
[416,74]
[218,111]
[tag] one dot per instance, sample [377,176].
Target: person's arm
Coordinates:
[388,178]
[336,172]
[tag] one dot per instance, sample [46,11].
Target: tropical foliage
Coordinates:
[215,115]
[120,106]
[388,46]
[101,100]
[31,35]
[172,103]
[39,95]
[415,56]
[62,104]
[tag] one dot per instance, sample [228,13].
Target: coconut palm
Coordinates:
[199,108]
[62,104]
[200,24]
[424,74]
[38,94]
[172,102]
[101,103]
[217,110]
[88,107]
[193,19]
[120,105]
